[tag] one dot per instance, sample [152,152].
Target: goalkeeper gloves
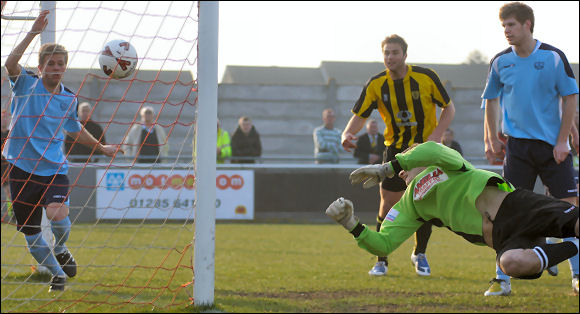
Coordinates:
[372,175]
[342,212]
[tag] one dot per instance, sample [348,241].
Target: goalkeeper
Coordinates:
[478,205]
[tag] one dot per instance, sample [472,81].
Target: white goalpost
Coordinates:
[204,241]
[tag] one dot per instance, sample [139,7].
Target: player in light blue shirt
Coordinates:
[530,90]
[39,118]
[534,86]
[42,110]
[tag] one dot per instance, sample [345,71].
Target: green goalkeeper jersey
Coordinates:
[444,194]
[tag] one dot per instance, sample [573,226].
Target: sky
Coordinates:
[288,33]
[302,34]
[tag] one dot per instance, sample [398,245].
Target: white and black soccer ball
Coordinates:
[118,59]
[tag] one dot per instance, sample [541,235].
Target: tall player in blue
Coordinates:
[42,110]
[533,84]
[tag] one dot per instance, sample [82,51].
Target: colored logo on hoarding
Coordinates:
[162,181]
[234,182]
[114,181]
[241,210]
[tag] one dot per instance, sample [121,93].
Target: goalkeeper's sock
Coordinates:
[553,254]
[42,253]
[61,231]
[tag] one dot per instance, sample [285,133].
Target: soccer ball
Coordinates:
[118,59]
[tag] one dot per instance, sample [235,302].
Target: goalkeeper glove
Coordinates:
[342,212]
[372,174]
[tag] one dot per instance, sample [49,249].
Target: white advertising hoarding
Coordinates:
[170,194]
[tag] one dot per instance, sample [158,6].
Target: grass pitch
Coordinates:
[268,268]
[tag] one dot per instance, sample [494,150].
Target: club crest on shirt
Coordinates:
[427,182]
[539,65]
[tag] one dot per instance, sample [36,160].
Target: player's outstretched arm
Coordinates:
[342,211]
[85,138]
[12,66]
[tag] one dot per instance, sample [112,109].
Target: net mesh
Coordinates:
[131,214]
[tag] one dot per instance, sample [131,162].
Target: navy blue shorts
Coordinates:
[525,159]
[394,184]
[30,193]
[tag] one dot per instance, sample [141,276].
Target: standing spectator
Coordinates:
[407,97]
[73,148]
[534,86]
[448,140]
[246,142]
[147,140]
[371,145]
[223,147]
[5,185]
[327,140]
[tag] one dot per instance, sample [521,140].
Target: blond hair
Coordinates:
[50,49]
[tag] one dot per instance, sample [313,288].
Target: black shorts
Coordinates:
[5,166]
[394,184]
[30,193]
[525,159]
[525,219]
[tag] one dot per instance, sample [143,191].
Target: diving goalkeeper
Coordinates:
[478,205]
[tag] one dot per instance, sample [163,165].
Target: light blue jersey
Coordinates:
[35,143]
[530,91]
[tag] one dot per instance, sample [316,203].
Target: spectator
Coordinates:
[72,147]
[327,139]
[448,140]
[246,142]
[371,145]
[224,148]
[147,140]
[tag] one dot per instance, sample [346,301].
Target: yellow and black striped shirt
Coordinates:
[406,105]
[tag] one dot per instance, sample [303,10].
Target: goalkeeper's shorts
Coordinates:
[525,219]
[30,190]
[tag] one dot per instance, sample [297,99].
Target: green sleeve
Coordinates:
[432,154]
[399,225]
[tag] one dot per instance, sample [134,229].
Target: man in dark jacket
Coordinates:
[75,149]
[371,145]
[245,142]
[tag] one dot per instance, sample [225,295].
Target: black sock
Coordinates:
[422,236]
[379,224]
[553,254]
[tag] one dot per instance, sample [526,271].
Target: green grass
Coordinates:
[270,268]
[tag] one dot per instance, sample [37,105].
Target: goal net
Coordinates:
[132,214]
